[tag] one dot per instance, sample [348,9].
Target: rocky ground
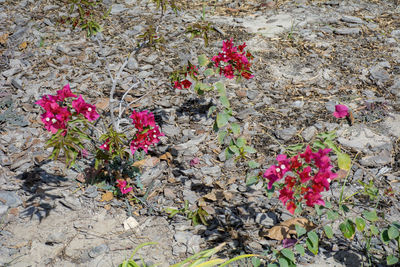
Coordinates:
[309,56]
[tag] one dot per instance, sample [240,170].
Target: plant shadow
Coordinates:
[38,184]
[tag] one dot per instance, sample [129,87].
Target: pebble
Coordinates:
[347,31]
[98,250]
[351,19]
[10,199]
[287,133]
[91,191]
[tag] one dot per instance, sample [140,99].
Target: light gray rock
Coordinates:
[379,75]
[91,191]
[381,159]
[132,64]
[266,219]
[193,244]
[170,130]
[98,250]
[212,171]
[3,210]
[287,133]
[10,199]
[351,19]
[117,8]
[309,133]
[190,196]
[395,33]
[153,173]
[361,138]
[347,31]
[392,124]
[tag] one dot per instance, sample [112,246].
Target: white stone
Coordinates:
[130,223]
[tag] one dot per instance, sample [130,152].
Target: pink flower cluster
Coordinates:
[121,184]
[148,132]
[193,71]
[306,184]
[236,59]
[341,111]
[56,116]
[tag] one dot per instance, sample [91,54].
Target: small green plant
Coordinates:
[198,216]
[201,29]
[163,4]
[89,12]
[151,38]
[202,259]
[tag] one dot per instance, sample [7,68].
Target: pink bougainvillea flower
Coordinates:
[186,83]
[305,174]
[341,111]
[53,121]
[228,72]
[106,146]
[65,93]
[291,207]
[121,184]
[307,154]
[285,195]
[81,107]
[194,161]
[272,175]
[289,242]
[177,85]
[143,120]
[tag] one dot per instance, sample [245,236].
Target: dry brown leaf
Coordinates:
[201,202]
[103,103]
[209,210]
[107,207]
[227,195]
[341,174]
[167,156]
[211,196]
[3,38]
[107,196]
[287,228]
[23,45]
[147,162]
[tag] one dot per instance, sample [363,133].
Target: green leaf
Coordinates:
[256,262]
[319,209]
[222,119]
[235,128]
[332,215]
[234,149]
[332,146]
[220,88]
[300,230]
[313,237]
[311,247]
[374,229]
[393,232]
[272,265]
[318,145]
[328,205]
[249,149]
[228,154]
[300,249]
[203,60]
[344,161]
[288,254]
[224,101]
[240,142]
[221,136]
[370,216]
[360,223]
[283,262]
[391,259]
[208,72]
[252,180]
[347,228]
[344,208]
[328,231]
[385,236]
[211,110]
[295,148]
[253,165]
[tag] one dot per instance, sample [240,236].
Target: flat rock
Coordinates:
[10,199]
[347,31]
[361,138]
[381,159]
[351,19]
[287,133]
[392,124]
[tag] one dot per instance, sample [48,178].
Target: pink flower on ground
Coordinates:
[81,107]
[291,207]
[272,175]
[65,93]
[194,161]
[186,83]
[228,72]
[307,154]
[341,111]
[106,146]
[143,120]
[285,195]
[177,85]
[121,184]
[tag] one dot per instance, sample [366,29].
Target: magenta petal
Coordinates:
[288,242]
[341,111]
